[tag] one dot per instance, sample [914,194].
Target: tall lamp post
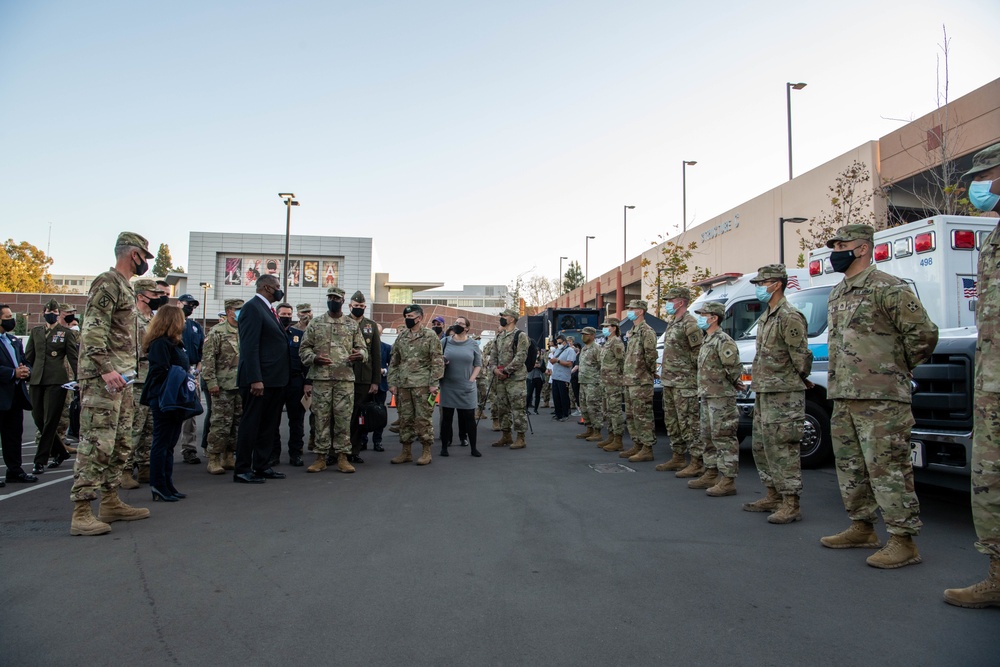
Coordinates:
[625,235]
[684,187]
[781,235]
[561,274]
[204,305]
[289,203]
[586,260]
[788,100]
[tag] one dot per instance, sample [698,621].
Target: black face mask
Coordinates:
[437,330]
[160,302]
[278,295]
[335,307]
[142,268]
[841,260]
[285,322]
[51,318]
[8,325]
[69,319]
[358,312]
[187,310]
[503,321]
[409,323]
[458,328]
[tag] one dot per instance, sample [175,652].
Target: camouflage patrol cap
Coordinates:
[852,233]
[770,272]
[304,308]
[678,293]
[413,308]
[984,159]
[612,321]
[358,297]
[638,303]
[51,304]
[331,291]
[510,312]
[147,285]
[712,308]
[133,239]
[67,308]
[590,331]
[235,304]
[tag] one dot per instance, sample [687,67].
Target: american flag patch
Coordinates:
[793,282]
[969,288]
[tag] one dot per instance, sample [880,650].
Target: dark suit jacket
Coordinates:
[263,347]
[369,371]
[47,353]
[13,393]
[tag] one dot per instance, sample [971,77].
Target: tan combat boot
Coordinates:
[143,477]
[496,424]
[215,465]
[788,512]
[694,469]
[519,443]
[504,440]
[404,455]
[319,465]
[229,461]
[128,481]
[984,594]
[596,437]
[394,428]
[628,453]
[479,414]
[607,441]
[84,522]
[706,481]
[644,454]
[861,535]
[343,465]
[586,434]
[113,509]
[897,552]
[676,462]
[725,486]
[615,446]
[425,457]
[768,504]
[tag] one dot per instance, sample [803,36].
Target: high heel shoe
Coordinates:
[160,495]
[177,494]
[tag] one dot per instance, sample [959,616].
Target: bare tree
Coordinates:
[539,291]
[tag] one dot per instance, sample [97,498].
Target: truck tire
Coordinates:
[817,447]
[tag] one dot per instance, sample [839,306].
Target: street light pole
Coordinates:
[561,274]
[289,203]
[625,235]
[204,305]
[788,101]
[684,188]
[781,236]
[586,260]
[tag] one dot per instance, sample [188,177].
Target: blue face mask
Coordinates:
[630,315]
[671,308]
[236,316]
[981,197]
[606,331]
[703,323]
[762,294]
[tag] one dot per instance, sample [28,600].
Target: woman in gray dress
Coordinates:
[463,362]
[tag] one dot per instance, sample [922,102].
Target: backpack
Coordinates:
[372,417]
[529,361]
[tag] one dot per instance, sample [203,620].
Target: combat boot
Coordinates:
[113,509]
[84,522]
[479,414]
[788,512]
[706,481]
[319,465]
[215,465]
[519,443]
[607,441]
[128,481]
[643,455]
[343,465]
[694,469]
[596,437]
[861,535]
[546,404]
[404,455]
[425,456]
[586,434]
[676,462]
[229,461]
[899,551]
[504,440]
[143,477]
[984,594]
[394,428]
[628,453]
[496,424]
[768,504]
[725,486]
[615,446]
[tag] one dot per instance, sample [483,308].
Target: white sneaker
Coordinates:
[576,413]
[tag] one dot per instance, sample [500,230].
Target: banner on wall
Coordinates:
[234,271]
[331,274]
[310,273]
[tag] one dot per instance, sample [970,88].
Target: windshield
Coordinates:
[812,303]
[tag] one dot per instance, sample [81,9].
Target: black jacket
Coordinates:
[263,347]
[163,353]
[13,392]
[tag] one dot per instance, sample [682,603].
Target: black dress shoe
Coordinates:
[354,458]
[247,478]
[295,461]
[2,483]
[37,469]
[58,459]
[22,477]
[270,473]
[378,447]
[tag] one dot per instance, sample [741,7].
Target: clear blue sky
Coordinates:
[473,141]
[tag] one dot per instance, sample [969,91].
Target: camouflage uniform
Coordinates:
[879,332]
[679,379]
[416,364]
[484,388]
[780,366]
[332,385]
[142,418]
[986,431]
[719,371]
[219,364]
[638,369]
[591,398]
[511,390]
[612,359]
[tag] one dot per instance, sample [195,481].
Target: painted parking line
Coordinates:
[32,487]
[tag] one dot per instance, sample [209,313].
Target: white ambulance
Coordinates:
[739,297]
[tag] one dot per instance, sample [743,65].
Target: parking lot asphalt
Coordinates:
[551,555]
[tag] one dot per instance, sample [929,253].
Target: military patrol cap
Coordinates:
[852,233]
[338,291]
[235,304]
[612,321]
[413,308]
[52,304]
[712,308]
[639,303]
[678,293]
[770,272]
[67,308]
[147,285]
[510,312]
[304,308]
[133,239]
[590,331]
[984,159]
[187,298]
[358,297]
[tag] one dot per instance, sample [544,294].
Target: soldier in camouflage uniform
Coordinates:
[107,352]
[148,297]
[679,379]
[509,375]
[780,368]
[879,332]
[612,387]
[591,398]
[415,367]
[330,346]
[719,371]
[486,386]
[219,365]
[638,373]
[984,192]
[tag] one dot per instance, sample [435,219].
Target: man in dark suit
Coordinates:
[13,398]
[367,373]
[262,377]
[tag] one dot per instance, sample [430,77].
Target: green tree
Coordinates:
[163,263]
[24,268]
[673,269]
[573,277]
